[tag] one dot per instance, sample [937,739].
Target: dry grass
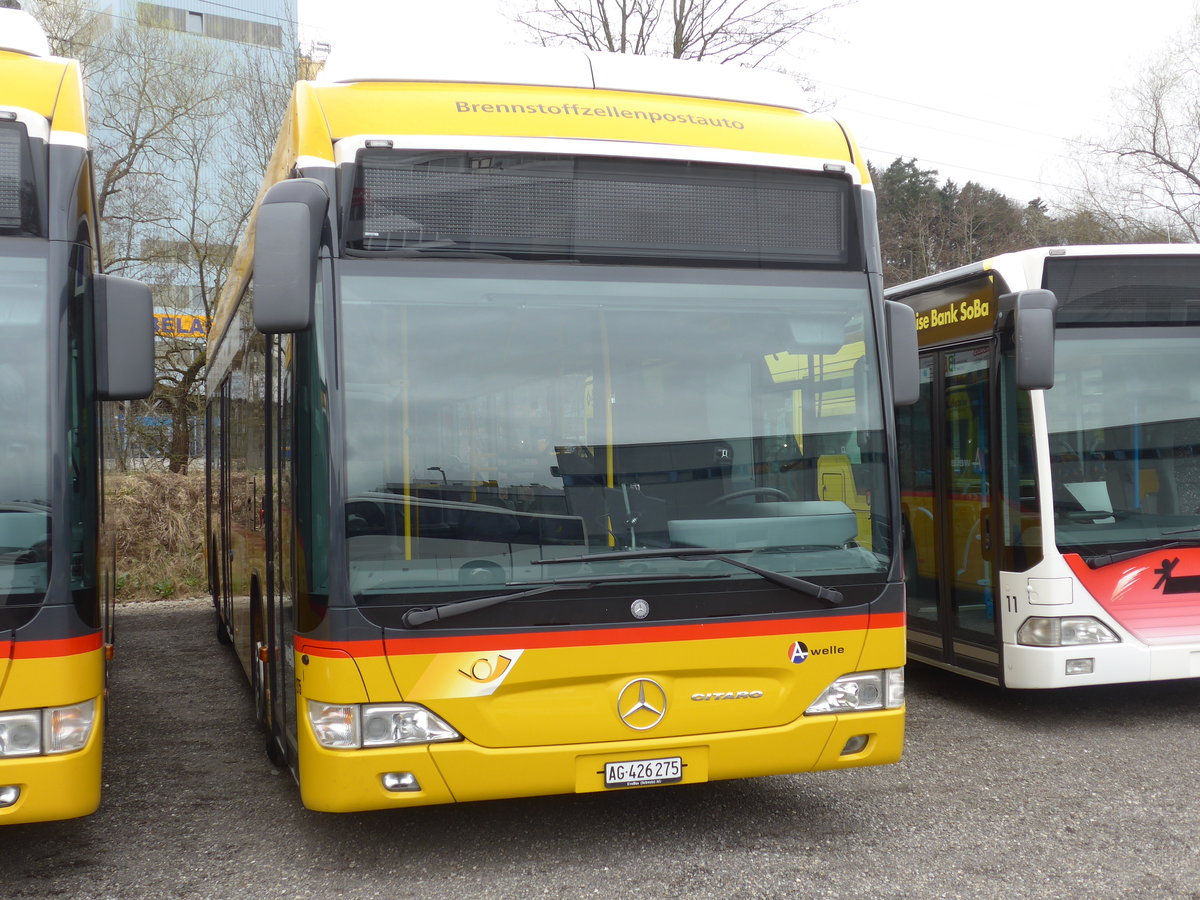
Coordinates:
[158,519]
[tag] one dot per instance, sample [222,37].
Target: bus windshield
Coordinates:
[1124,429]
[497,415]
[24,424]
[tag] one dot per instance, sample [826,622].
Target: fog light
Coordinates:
[9,794]
[1081,666]
[856,744]
[400,781]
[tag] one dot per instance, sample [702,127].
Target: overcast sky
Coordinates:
[991,92]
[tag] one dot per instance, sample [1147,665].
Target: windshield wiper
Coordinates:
[1107,559]
[809,588]
[423,615]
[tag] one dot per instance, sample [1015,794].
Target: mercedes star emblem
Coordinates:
[642,704]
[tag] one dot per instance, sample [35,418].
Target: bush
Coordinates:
[158,522]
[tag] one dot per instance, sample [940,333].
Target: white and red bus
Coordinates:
[1050,472]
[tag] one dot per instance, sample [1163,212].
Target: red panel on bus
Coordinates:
[1156,597]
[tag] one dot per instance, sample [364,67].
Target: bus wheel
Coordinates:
[214,581]
[222,633]
[275,753]
[258,654]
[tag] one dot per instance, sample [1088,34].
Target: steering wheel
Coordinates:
[751,492]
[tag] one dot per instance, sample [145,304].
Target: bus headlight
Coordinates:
[335,725]
[403,723]
[68,728]
[1067,631]
[861,691]
[34,732]
[352,726]
[21,733]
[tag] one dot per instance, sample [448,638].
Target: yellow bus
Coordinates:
[69,338]
[549,435]
[1049,480]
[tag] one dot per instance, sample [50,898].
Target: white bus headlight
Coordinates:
[67,728]
[34,732]
[403,723]
[21,733]
[351,726]
[1068,631]
[335,725]
[861,691]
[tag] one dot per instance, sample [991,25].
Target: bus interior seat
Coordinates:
[653,484]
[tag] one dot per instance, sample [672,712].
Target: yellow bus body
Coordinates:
[42,672]
[61,786]
[738,701]
[553,694]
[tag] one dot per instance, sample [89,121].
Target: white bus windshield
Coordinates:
[501,414]
[1124,429]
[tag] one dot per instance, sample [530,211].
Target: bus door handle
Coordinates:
[985,528]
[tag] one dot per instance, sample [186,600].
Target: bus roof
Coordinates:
[1022,268]
[586,103]
[571,69]
[44,92]
[20,33]
[558,94]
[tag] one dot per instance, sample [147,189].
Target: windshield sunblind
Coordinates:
[1126,290]
[536,206]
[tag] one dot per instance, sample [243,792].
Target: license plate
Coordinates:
[642,772]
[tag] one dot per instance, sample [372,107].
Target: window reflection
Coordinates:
[1124,436]
[492,423]
[24,475]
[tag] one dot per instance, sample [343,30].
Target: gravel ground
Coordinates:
[1072,795]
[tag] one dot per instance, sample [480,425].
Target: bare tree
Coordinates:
[182,129]
[748,32]
[75,30]
[216,170]
[1143,180]
[619,26]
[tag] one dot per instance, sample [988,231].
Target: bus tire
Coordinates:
[275,753]
[258,642]
[214,584]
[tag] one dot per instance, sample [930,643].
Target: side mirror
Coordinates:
[287,237]
[902,352]
[124,339]
[1033,337]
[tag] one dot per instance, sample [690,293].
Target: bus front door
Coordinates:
[945,489]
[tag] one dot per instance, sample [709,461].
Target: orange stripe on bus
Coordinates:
[58,647]
[408,646]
